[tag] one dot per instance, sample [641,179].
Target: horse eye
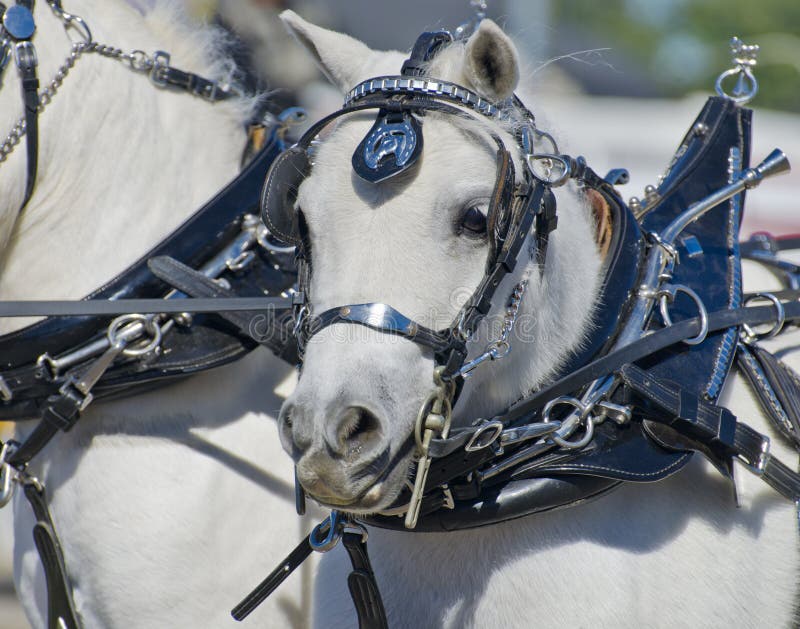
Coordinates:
[473,222]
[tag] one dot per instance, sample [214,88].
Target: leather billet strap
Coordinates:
[776,386]
[721,436]
[61,612]
[60,412]
[363,587]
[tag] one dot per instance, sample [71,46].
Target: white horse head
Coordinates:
[419,243]
[643,556]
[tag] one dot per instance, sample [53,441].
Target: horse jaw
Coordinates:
[397,243]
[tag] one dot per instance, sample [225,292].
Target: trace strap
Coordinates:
[60,610]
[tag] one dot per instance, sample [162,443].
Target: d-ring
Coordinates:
[668,294]
[780,319]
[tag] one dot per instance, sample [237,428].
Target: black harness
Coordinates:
[17,30]
[640,398]
[52,370]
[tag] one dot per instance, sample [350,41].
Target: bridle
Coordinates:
[17,32]
[535,439]
[516,210]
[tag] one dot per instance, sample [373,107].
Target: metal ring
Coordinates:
[584,414]
[150,326]
[477,442]
[262,236]
[744,74]
[750,333]
[580,443]
[79,24]
[139,60]
[558,181]
[667,296]
[500,349]
[424,411]
[6,486]
[334,533]
[564,399]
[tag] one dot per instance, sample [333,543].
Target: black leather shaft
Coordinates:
[60,610]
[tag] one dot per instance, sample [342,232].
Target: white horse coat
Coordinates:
[170,505]
[675,554]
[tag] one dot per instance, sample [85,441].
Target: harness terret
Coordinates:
[640,398]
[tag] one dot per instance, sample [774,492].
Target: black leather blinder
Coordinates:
[279,194]
[501,204]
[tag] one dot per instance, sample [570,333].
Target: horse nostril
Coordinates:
[357,430]
[285,423]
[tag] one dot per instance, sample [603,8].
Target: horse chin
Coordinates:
[378,495]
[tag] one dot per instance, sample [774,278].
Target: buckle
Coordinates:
[758,466]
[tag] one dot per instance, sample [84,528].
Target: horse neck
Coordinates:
[555,316]
[121,163]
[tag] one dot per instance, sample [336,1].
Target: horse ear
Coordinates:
[491,62]
[345,61]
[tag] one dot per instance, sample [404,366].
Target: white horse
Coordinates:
[169,505]
[677,553]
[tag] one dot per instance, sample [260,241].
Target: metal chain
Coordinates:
[502,346]
[137,60]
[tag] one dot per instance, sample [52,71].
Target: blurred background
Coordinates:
[619,82]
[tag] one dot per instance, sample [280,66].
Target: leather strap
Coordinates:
[223,304]
[276,335]
[61,412]
[720,435]
[60,610]
[363,587]
[776,386]
[650,344]
[271,583]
